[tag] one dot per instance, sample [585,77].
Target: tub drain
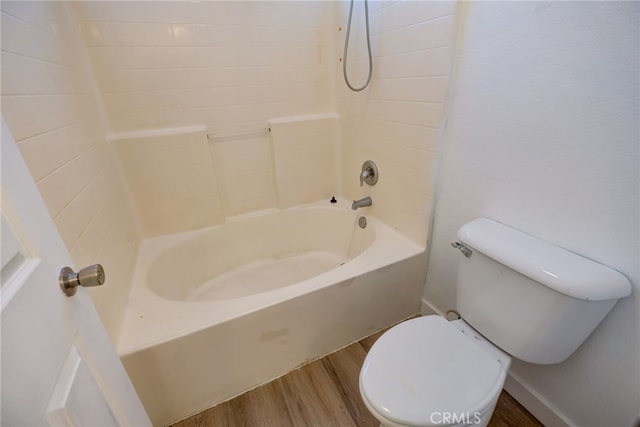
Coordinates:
[362,222]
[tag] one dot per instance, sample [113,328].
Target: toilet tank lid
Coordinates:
[544,262]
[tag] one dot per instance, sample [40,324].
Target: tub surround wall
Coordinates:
[55,115]
[228,65]
[243,166]
[305,157]
[172,181]
[187,178]
[397,120]
[555,155]
[232,66]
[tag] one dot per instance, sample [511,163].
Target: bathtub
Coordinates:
[217,311]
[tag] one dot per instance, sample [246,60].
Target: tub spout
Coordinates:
[366,201]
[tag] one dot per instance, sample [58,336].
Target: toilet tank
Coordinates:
[535,300]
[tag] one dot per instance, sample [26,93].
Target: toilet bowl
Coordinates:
[431,372]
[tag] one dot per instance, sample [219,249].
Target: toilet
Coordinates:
[518,296]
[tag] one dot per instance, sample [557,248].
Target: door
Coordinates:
[58,364]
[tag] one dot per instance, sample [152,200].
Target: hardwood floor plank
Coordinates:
[510,413]
[367,343]
[343,367]
[221,415]
[264,406]
[311,398]
[233,416]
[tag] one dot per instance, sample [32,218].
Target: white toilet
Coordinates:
[519,296]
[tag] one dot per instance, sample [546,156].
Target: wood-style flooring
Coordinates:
[323,393]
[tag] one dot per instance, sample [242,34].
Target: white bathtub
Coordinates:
[215,312]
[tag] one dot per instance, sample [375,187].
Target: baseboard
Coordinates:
[532,401]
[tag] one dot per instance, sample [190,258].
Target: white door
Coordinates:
[58,364]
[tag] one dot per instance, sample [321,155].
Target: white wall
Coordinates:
[543,136]
[397,120]
[54,113]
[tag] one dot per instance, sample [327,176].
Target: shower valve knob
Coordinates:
[369,173]
[364,175]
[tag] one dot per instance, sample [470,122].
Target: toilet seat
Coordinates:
[426,367]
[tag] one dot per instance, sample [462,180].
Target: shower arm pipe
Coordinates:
[346,48]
